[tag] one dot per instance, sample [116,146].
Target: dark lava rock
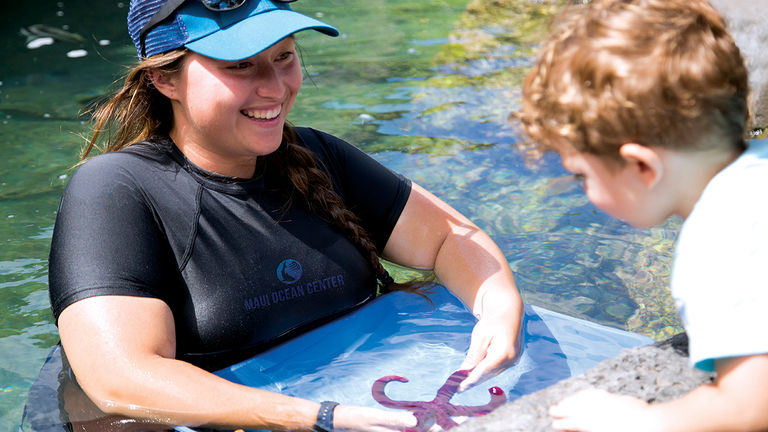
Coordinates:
[655,373]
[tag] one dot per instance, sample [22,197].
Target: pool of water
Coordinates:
[425,87]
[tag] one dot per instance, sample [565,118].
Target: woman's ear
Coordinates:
[163,82]
[644,161]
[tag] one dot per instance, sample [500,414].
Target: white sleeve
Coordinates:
[720,276]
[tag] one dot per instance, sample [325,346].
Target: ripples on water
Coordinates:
[402,89]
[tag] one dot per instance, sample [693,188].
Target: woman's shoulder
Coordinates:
[326,146]
[141,156]
[314,138]
[136,165]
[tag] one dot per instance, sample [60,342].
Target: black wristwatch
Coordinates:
[324,422]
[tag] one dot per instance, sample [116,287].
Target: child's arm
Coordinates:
[736,401]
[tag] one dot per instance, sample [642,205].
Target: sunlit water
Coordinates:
[394,84]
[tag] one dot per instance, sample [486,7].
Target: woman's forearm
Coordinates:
[122,351]
[471,265]
[431,235]
[175,392]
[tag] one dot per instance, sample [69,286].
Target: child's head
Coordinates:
[659,73]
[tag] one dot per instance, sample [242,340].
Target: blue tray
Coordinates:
[396,334]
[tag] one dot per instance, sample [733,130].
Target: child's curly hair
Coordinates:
[654,72]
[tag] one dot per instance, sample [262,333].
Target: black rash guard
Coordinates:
[238,270]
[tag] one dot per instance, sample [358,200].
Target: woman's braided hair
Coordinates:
[138,111]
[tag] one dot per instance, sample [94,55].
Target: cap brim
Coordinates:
[255,34]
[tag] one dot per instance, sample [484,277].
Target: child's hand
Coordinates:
[596,410]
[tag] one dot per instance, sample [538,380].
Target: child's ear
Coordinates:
[162,82]
[645,161]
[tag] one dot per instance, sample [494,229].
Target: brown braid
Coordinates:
[314,185]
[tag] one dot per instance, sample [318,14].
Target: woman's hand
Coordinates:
[355,418]
[495,345]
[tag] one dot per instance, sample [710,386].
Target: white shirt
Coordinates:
[720,275]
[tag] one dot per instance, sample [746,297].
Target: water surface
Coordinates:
[425,87]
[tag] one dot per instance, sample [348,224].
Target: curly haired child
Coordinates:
[646,100]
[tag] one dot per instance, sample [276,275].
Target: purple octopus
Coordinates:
[439,410]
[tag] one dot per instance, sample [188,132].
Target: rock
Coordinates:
[747,23]
[655,373]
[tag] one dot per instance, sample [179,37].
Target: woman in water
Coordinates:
[210,229]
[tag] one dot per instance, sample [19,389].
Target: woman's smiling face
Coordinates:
[227,113]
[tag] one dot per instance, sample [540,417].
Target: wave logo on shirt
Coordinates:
[289,271]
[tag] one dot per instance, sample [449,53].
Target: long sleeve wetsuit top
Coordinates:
[237,268]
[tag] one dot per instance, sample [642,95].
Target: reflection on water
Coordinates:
[427,90]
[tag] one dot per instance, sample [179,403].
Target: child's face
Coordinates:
[612,187]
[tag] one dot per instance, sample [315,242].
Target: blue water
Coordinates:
[411,90]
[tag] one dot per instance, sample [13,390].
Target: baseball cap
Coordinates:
[232,34]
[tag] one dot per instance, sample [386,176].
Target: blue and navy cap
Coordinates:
[229,35]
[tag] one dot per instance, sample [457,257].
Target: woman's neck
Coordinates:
[212,161]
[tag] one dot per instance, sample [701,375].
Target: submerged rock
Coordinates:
[37,31]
